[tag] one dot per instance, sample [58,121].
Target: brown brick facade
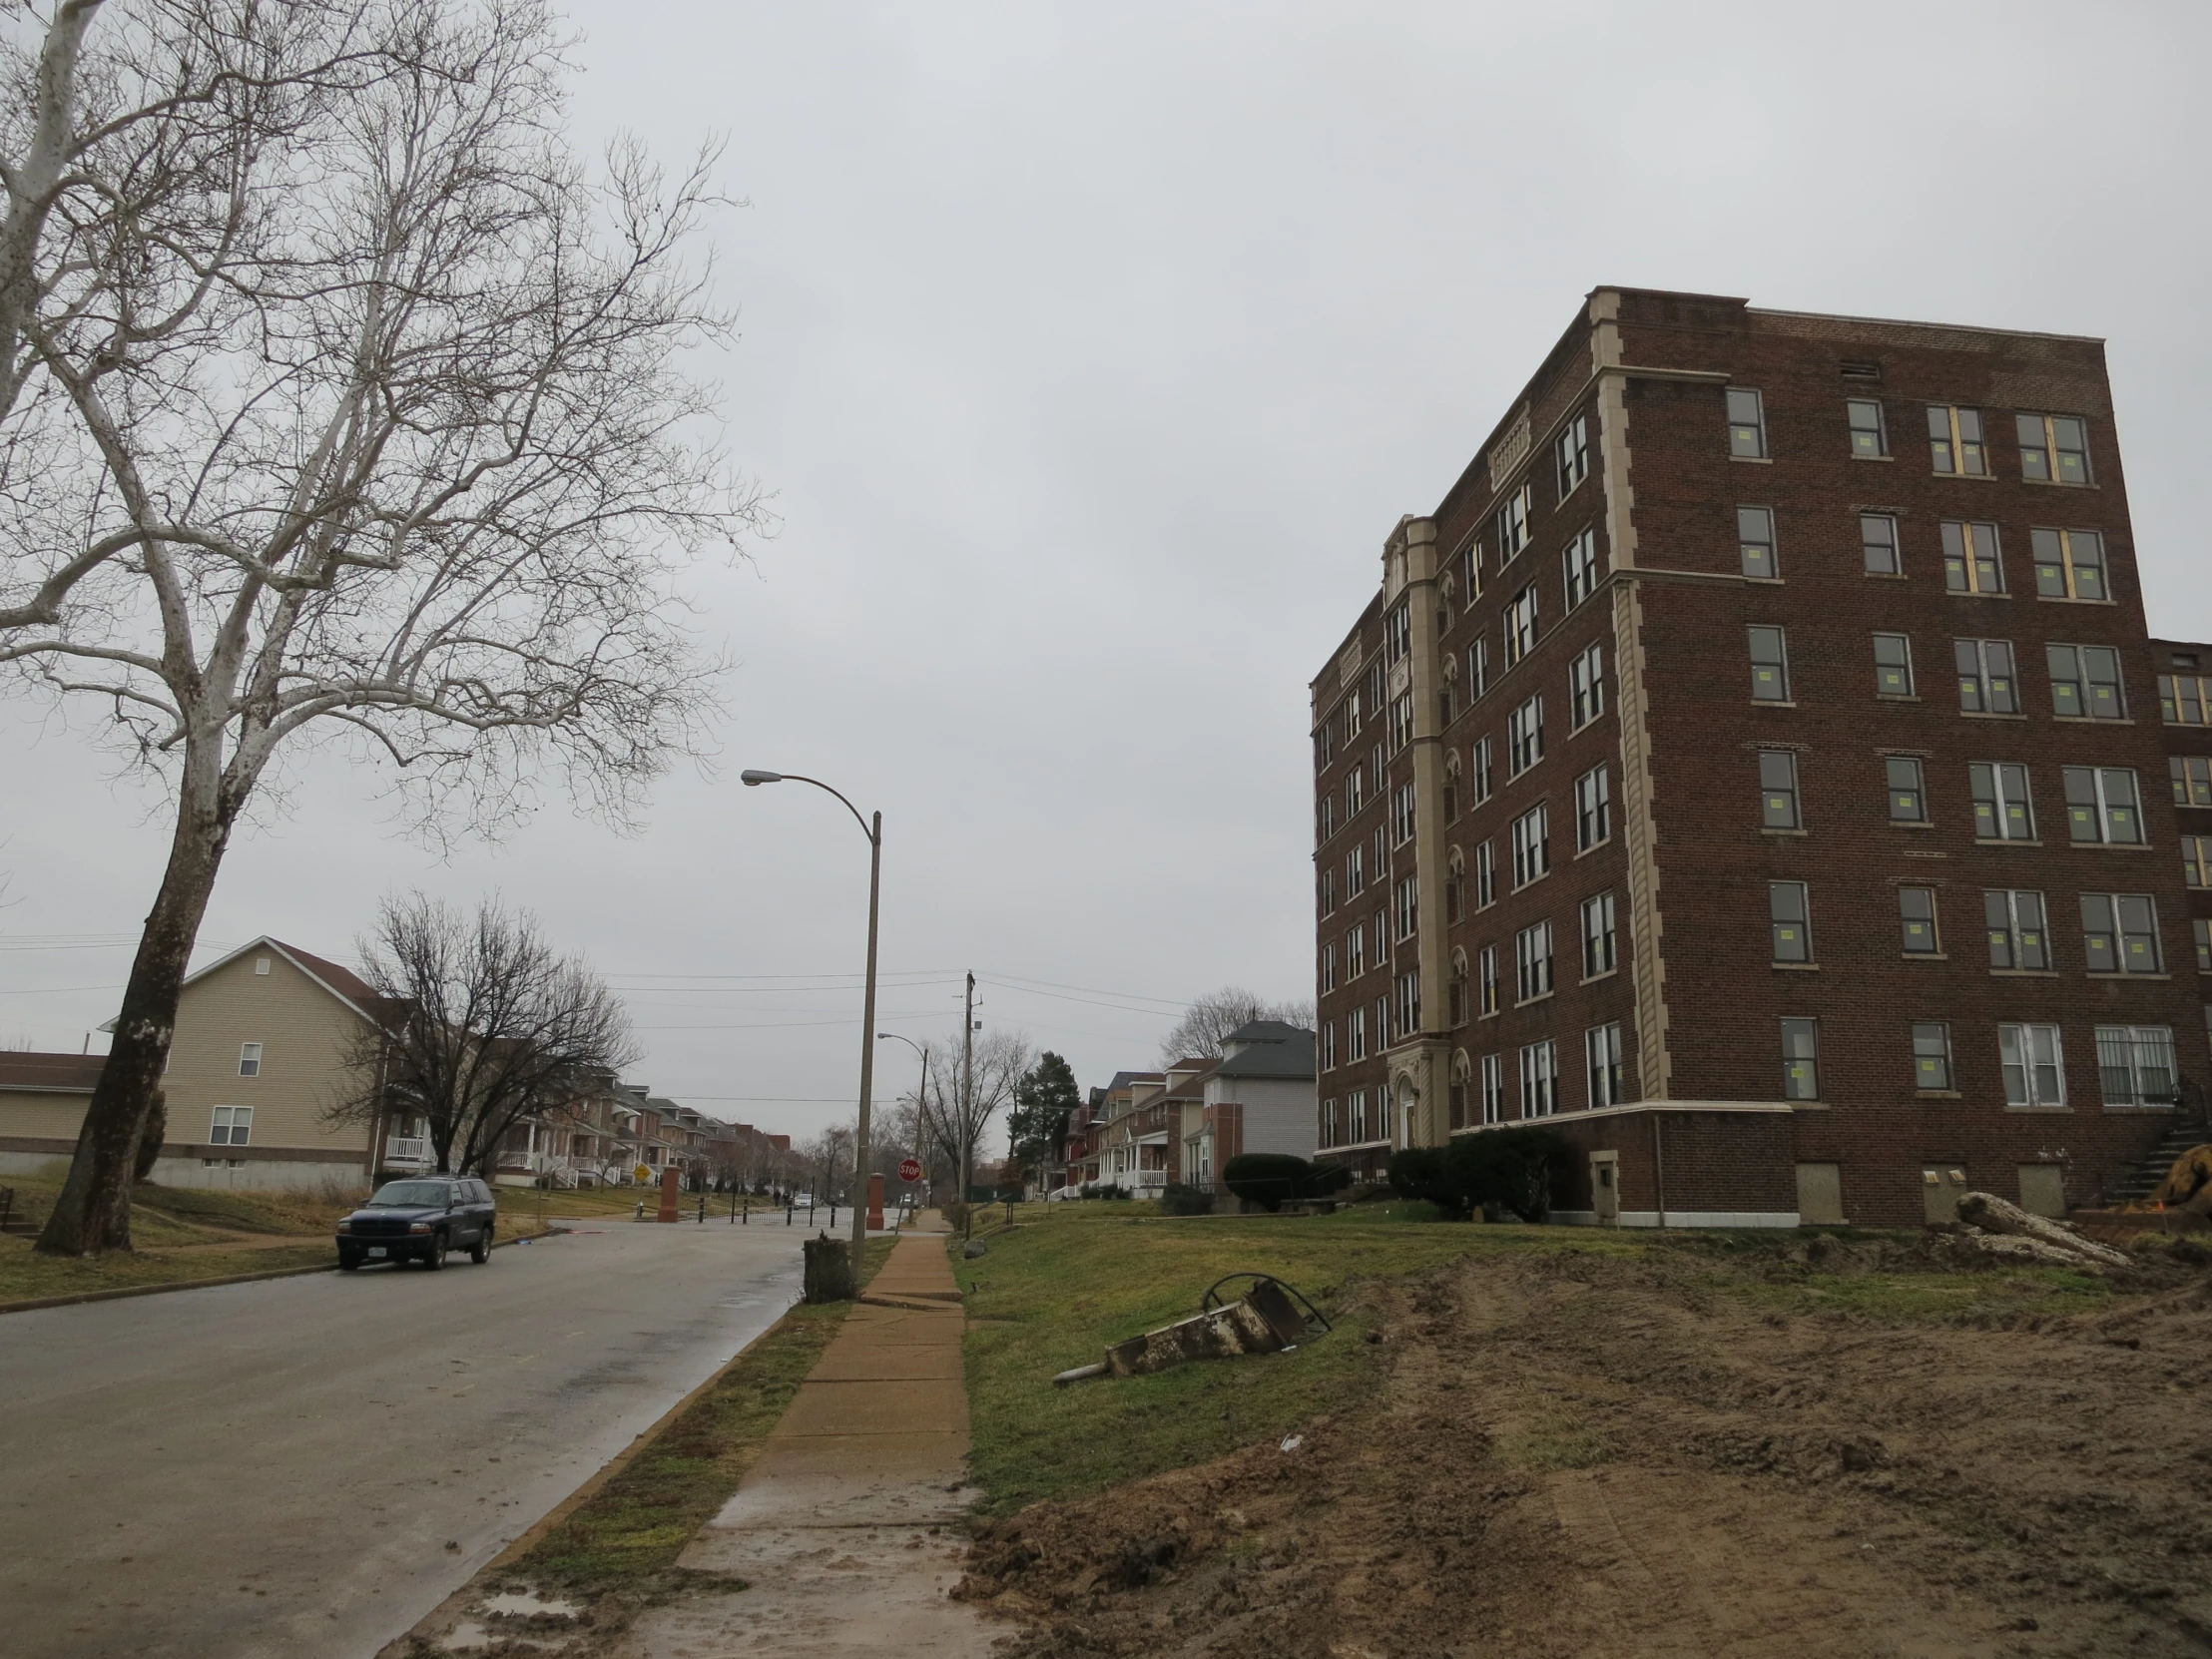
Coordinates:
[1671,603]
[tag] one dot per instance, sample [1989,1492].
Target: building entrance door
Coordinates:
[1605,1187]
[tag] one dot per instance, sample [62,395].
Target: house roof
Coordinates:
[1269,1048]
[340,981]
[50,1073]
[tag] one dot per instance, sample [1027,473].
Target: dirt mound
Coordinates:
[1585,1454]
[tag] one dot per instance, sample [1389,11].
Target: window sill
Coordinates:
[1594,978]
[2055,485]
[2111,846]
[2024,973]
[1594,846]
[2043,1111]
[1885,576]
[2094,719]
[1987,714]
[1925,955]
[1938,1094]
[1910,823]
[1795,968]
[2153,979]
[1965,477]
[1531,1001]
[1753,460]
[2148,1106]
[1530,883]
[1874,458]
[1897,697]
[1974,593]
[1764,581]
[1998,840]
[1768,830]
[2072,599]
[1773,703]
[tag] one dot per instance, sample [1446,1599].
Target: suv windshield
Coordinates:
[411,1194]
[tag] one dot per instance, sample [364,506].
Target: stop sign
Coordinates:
[909,1169]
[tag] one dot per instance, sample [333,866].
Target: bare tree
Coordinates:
[483,1027]
[1206,1025]
[339,400]
[956,1113]
[827,1155]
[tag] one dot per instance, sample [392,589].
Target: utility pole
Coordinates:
[967,1105]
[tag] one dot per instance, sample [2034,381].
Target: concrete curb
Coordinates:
[34,1304]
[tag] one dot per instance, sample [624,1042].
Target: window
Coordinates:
[233,1126]
[1512,525]
[2196,860]
[1770,666]
[1789,909]
[1869,437]
[2192,779]
[1409,1003]
[1594,809]
[1539,1079]
[1520,625]
[2135,1065]
[2202,928]
[1986,685]
[2120,933]
[1478,670]
[1480,777]
[1932,1055]
[2054,449]
[1331,1126]
[1877,540]
[1374,699]
[1525,737]
[1397,631]
[2069,564]
[2085,681]
[1359,1116]
[1973,561]
[1493,1088]
[1456,991]
[1381,932]
[1801,1059]
[1356,1025]
[1908,789]
[1408,899]
[1470,556]
[1356,872]
[1328,892]
[261,964]
[1355,790]
[1916,922]
[1599,955]
[1532,963]
[1955,442]
[1328,966]
[1485,876]
[1572,453]
[1453,775]
[1579,568]
[1401,813]
[1893,666]
[1746,424]
[2183,699]
[1601,1052]
[1485,983]
[1402,719]
[2002,808]
[1455,887]
[1351,715]
[1328,1046]
[1383,1038]
[249,1059]
[1755,543]
[2020,942]
[1586,683]
[1778,789]
[2101,806]
[1355,948]
[1531,846]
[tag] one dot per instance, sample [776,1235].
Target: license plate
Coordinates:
[376,1250]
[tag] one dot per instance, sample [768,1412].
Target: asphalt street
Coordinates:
[264,1471]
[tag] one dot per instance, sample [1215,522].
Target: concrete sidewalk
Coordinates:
[847,1528]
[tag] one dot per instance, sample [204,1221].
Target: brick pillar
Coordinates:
[668,1193]
[876,1202]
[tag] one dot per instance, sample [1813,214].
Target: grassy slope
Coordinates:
[636,1524]
[1054,1291]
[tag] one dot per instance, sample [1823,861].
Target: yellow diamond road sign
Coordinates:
[645,1172]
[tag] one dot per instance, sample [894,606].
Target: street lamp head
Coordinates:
[751,776]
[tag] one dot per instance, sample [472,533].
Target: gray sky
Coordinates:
[1091,351]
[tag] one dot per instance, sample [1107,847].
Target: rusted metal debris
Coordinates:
[1268,1319]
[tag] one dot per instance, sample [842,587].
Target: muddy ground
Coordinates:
[1577,1453]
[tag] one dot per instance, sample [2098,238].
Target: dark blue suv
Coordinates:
[420,1219]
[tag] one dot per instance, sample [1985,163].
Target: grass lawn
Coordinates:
[1066,1279]
[26,1277]
[635,1525]
[1057,1288]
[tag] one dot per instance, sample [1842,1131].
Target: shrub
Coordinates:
[1178,1200]
[1417,1171]
[1515,1168]
[1268,1179]
[1328,1176]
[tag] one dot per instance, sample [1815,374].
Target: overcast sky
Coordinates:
[1090,352]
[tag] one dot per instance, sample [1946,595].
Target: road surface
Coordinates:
[279,1469]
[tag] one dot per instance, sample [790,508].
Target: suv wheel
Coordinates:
[434,1257]
[480,1251]
[349,1260]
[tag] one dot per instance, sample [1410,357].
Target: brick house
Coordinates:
[1750,768]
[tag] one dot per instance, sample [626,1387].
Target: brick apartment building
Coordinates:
[1751,767]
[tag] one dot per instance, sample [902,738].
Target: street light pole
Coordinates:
[873,828]
[921,1096]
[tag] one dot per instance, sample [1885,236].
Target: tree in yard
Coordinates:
[957,1110]
[1206,1025]
[482,1027]
[339,401]
[1042,1100]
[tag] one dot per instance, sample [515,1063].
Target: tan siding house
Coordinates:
[260,1052]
